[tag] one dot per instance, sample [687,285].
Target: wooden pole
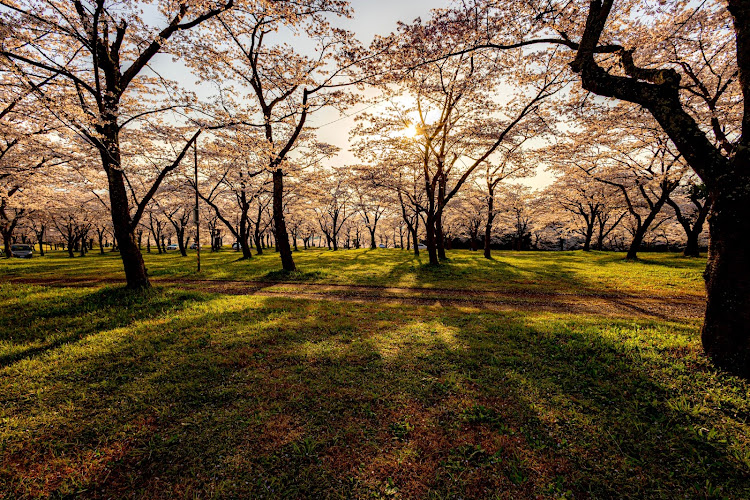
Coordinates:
[197,213]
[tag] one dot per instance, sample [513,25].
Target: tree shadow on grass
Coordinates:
[273,397]
[41,322]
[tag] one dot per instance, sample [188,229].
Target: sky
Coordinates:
[381,17]
[371,17]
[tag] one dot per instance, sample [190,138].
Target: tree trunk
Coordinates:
[488,239]
[181,240]
[726,327]
[245,247]
[635,243]
[440,237]
[7,237]
[589,234]
[373,246]
[258,243]
[431,246]
[691,248]
[600,238]
[282,238]
[132,260]
[40,238]
[415,237]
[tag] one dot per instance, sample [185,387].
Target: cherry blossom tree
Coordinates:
[279,87]
[99,52]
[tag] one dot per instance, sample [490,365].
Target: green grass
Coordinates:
[172,393]
[567,272]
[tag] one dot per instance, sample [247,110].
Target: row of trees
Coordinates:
[477,95]
[655,203]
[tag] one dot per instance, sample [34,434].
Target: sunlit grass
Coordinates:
[657,274]
[173,393]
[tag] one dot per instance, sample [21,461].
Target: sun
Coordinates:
[410,131]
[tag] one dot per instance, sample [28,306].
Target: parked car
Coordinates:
[22,251]
[193,246]
[235,246]
[422,246]
[173,246]
[381,246]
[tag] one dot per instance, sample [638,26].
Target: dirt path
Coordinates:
[614,305]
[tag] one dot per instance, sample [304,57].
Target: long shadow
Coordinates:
[53,322]
[270,398]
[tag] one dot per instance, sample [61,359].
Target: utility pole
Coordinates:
[197,214]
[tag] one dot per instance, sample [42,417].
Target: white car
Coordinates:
[173,246]
[422,246]
[193,246]
[21,251]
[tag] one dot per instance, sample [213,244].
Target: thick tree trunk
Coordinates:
[589,234]
[245,247]
[258,243]
[415,236]
[691,248]
[40,239]
[132,260]
[726,327]
[635,243]
[282,238]
[70,245]
[440,237]
[488,240]
[373,246]
[181,241]
[431,244]
[7,242]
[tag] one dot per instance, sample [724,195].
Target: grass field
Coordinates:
[567,272]
[194,393]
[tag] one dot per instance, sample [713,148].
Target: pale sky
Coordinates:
[380,17]
[371,17]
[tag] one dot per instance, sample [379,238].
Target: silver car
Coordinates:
[21,251]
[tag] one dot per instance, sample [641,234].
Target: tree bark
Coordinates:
[589,234]
[431,246]
[181,240]
[282,238]
[726,328]
[7,242]
[132,260]
[488,226]
[40,239]
[692,248]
